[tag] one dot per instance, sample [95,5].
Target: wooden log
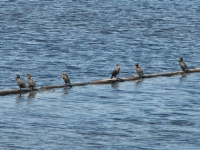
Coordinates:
[132,78]
[52,86]
[63,85]
[15,91]
[104,81]
[193,70]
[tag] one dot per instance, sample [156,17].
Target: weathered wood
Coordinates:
[132,78]
[64,85]
[104,81]
[192,70]
[15,91]
[52,86]
[80,84]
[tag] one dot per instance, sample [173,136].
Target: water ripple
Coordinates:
[86,40]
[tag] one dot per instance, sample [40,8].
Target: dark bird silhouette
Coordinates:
[139,70]
[20,82]
[115,72]
[31,82]
[66,79]
[182,64]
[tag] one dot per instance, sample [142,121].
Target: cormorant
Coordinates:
[66,78]
[139,70]
[20,82]
[182,64]
[115,72]
[31,82]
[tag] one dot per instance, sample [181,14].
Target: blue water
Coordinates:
[86,39]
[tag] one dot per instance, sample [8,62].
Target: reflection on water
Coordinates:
[25,96]
[19,95]
[66,89]
[138,83]
[20,98]
[32,94]
[184,75]
[115,85]
[139,80]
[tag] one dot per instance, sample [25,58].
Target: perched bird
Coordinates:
[31,82]
[139,70]
[20,82]
[115,72]
[66,78]
[182,64]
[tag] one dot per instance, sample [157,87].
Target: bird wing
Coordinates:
[66,79]
[31,82]
[20,82]
[185,64]
[114,72]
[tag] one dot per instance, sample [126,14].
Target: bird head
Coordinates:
[28,75]
[63,74]
[136,65]
[17,76]
[118,65]
[180,59]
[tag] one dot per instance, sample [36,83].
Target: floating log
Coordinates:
[64,85]
[132,78]
[15,91]
[104,81]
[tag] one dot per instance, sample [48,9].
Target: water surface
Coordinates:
[86,40]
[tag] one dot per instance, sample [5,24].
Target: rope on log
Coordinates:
[104,81]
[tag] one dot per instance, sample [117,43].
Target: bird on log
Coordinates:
[138,70]
[115,72]
[20,82]
[182,64]
[31,82]
[102,81]
[66,79]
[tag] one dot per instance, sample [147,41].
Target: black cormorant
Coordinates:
[66,78]
[139,70]
[115,72]
[182,64]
